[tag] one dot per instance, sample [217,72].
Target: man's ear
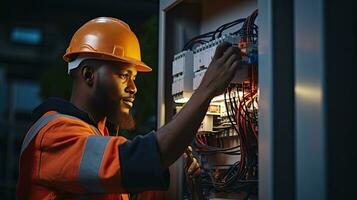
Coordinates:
[87,74]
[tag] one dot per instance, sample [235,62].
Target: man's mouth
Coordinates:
[128,101]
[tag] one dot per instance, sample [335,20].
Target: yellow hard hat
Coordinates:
[109,39]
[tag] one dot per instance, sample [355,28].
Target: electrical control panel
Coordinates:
[226,144]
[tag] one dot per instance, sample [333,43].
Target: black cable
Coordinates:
[226,26]
[229,117]
[193,41]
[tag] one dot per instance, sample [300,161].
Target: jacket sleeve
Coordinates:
[75,160]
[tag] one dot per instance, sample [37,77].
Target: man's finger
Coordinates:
[193,167]
[235,66]
[221,49]
[228,53]
[188,160]
[189,149]
[231,59]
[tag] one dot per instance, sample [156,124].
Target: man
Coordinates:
[68,153]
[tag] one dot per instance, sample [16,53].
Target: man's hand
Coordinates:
[192,168]
[192,172]
[221,70]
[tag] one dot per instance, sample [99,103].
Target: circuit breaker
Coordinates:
[182,74]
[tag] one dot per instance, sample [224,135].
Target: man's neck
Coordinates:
[92,112]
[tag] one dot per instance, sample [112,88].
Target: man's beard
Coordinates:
[123,120]
[126,121]
[118,118]
[110,107]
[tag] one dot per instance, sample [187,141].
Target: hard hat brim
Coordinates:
[139,65]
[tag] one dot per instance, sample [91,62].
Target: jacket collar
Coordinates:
[64,107]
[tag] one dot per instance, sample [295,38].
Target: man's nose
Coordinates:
[131,88]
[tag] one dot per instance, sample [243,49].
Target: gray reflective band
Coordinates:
[43,121]
[91,162]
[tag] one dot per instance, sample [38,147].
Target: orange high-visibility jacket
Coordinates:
[65,155]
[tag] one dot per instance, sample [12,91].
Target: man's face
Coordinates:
[115,90]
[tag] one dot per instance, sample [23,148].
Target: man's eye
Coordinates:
[124,76]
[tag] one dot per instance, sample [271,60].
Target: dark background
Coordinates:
[34,34]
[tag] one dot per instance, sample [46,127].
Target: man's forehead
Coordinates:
[129,68]
[122,66]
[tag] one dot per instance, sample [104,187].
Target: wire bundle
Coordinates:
[241,102]
[243,117]
[202,146]
[248,32]
[218,32]
[198,40]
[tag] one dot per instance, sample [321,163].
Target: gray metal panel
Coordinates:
[177,25]
[276,108]
[310,102]
[175,180]
[161,72]
[265,69]
[165,5]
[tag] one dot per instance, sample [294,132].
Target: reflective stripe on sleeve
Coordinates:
[91,162]
[43,121]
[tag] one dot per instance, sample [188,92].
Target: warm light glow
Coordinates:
[182,100]
[310,93]
[182,97]
[218,98]
[240,94]
[255,104]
